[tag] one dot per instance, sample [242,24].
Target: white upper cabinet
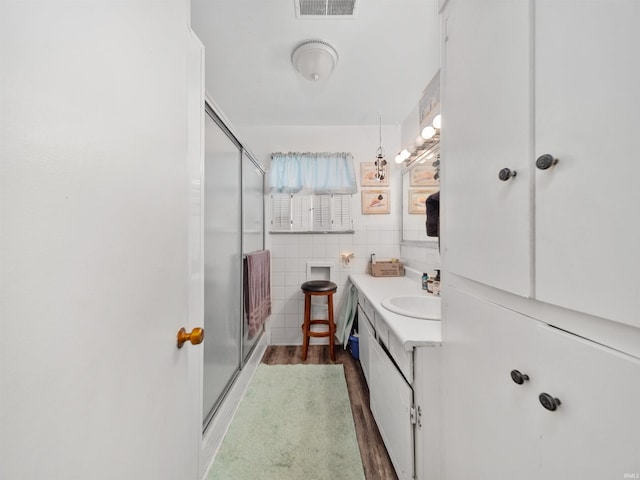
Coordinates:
[525,79]
[587,102]
[487,128]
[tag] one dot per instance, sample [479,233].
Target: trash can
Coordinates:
[354,346]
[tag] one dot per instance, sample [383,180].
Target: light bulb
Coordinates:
[419,141]
[399,159]
[437,121]
[428,132]
[405,154]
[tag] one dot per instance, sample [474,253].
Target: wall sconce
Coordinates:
[314,59]
[345,258]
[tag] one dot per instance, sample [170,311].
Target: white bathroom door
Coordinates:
[96,263]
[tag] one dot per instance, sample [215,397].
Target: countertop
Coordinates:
[412,332]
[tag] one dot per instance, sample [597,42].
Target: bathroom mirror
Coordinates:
[419,180]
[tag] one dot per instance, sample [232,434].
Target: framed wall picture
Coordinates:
[423,176]
[368,175]
[375,202]
[418,198]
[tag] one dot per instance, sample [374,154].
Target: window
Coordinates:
[311,213]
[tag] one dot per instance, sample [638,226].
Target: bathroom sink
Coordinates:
[426,307]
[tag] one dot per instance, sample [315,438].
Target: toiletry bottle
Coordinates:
[425,281]
[436,283]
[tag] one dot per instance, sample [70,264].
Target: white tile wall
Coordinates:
[424,258]
[294,250]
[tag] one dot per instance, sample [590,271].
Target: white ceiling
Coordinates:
[387,54]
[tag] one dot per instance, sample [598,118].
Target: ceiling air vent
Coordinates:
[325,8]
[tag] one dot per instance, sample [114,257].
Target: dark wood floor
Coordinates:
[375,459]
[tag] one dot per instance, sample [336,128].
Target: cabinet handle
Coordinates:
[549,402]
[518,377]
[545,161]
[505,174]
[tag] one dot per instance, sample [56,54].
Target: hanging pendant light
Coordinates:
[380,162]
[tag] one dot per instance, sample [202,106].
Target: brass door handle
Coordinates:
[195,337]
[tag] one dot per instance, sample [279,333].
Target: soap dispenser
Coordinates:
[425,281]
[436,283]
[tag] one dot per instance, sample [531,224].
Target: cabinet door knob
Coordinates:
[505,174]
[549,402]
[545,161]
[518,377]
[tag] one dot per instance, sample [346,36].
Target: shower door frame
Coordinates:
[219,120]
[211,112]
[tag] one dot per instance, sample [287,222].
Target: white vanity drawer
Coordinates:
[382,330]
[402,358]
[367,308]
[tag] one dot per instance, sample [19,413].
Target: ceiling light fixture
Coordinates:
[314,59]
[381,162]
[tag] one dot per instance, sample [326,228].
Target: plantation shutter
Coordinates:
[342,212]
[311,213]
[301,213]
[281,212]
[322,212]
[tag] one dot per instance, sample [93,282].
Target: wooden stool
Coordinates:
[318,288]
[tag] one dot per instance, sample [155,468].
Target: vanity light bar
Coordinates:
[435,149]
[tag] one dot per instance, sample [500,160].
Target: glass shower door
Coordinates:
[222,263]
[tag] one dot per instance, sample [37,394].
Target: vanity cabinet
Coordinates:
[391,402]
[500,428]
[404,392]
[390,395]
[526,83]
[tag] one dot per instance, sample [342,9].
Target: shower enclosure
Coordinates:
[233,225]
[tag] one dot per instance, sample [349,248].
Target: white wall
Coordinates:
[379,234]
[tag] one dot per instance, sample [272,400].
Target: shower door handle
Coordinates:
[195,337]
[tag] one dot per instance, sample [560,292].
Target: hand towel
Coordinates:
[257,290]
[433,215]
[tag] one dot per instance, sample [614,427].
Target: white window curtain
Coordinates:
[312,173]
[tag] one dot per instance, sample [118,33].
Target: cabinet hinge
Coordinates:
[415,414]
